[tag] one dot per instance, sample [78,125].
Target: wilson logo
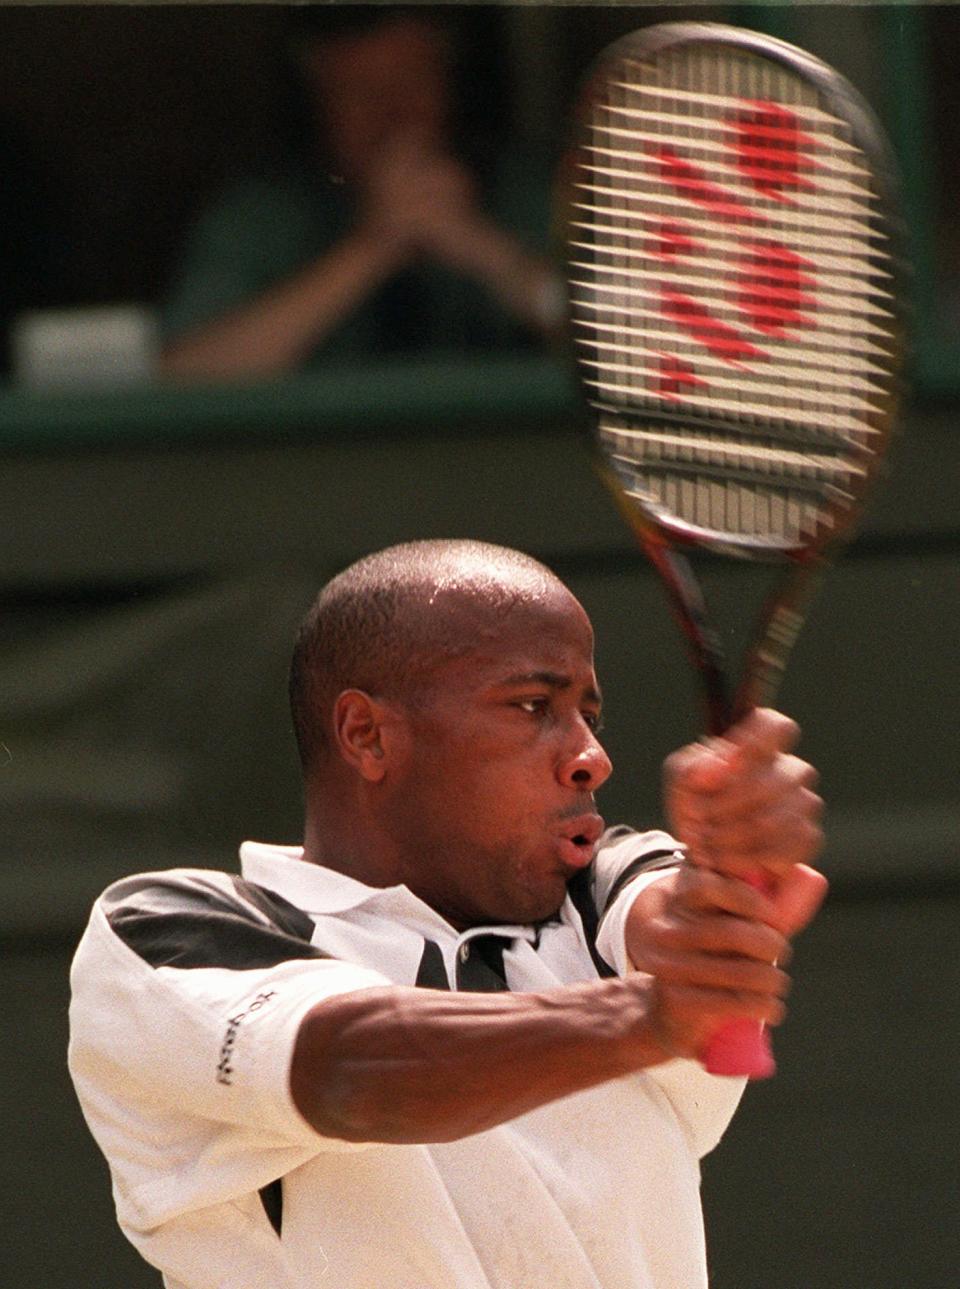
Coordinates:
[224,1066]
[771,288]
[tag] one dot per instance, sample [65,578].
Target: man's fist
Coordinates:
[744,802]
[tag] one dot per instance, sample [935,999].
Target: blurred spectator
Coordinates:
[380,239]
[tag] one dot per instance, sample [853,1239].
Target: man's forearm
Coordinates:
[408,1065]
[414,1065]
[525,284]
[276,331]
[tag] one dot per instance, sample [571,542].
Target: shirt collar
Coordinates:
[321,890]
[315,888]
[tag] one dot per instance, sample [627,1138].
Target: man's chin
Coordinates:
[519,906]
[539,906]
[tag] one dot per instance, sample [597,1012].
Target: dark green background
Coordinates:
[143,716]
[158,548]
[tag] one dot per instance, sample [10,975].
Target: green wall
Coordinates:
[151,591]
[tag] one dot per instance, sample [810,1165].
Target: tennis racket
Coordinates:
[730,231]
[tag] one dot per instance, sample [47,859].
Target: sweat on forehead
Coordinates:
[390,620]
[446,572]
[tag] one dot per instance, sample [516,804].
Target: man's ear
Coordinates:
[360,726]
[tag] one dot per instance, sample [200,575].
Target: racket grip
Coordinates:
[742,1046]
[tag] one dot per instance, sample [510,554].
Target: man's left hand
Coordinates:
[744,802]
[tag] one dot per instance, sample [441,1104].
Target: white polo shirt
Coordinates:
[188,990]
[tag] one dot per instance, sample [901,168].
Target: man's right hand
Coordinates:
[714,948]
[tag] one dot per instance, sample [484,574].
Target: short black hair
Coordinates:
[360,631]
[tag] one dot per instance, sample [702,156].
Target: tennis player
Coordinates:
[450,1041]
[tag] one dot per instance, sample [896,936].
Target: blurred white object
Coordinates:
[84,348]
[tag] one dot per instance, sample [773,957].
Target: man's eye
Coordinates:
[533,706]
[594,720]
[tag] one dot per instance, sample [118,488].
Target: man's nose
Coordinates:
[586,765]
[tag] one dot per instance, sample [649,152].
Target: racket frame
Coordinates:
[667,539]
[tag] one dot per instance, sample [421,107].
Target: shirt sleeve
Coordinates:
[187,993]
[626,863]
[703,1103]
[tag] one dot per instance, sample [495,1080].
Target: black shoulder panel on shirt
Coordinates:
[193,920]
[284,915]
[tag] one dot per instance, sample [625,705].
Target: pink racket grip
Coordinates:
[742,1046]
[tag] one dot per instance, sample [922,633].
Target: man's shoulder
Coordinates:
[622,853]
[132,884]
[281,201]
[204,917]
[621,841]
[170,890]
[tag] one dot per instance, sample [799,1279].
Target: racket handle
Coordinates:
[742,1046]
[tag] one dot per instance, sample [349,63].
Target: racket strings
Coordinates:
[726,485]
[616,279]
[862,256]
[730,293]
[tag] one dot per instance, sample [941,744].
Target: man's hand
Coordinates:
[708,942]
[420,202]
[713,942]
[744,803]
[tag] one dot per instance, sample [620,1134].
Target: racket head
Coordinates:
[734,266]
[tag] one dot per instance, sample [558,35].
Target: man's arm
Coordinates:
[411,1065]
[414,1065]
[431,199]
[275,331]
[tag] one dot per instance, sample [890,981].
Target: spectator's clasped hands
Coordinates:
[421,199]
[421,202]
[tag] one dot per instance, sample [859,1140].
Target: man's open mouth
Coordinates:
[578,840]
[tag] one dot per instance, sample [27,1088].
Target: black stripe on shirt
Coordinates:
[581,896]
[180,920]
[580,890]
[432,974]
[271,1197]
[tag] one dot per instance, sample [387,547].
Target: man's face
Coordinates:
[490,805]
[380,86]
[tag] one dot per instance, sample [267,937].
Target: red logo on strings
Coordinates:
[772,151]
[672,240]
[698,322]
[675,375]
[690,181]
[771,286]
